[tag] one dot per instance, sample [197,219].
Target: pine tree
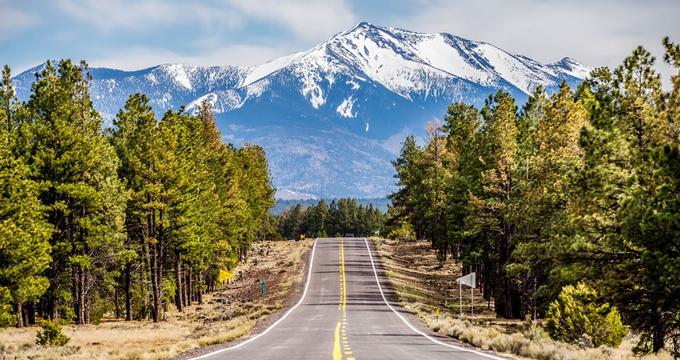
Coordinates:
[407,201]
[490,209]
[135,139]
[76,169]
[549,151]
[24,230]
[462,124]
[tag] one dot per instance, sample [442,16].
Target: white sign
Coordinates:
[469,280]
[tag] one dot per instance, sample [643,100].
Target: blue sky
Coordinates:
[132,34]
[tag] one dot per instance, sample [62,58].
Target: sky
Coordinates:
[133,34]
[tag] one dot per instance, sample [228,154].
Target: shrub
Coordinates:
[576,313]
[51,334]
[7,315]
[403,233]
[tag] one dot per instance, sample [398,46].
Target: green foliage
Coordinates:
[88,215]
[7,316]
[403,233]
[24,230]
[51,334]
[578,186]
[577,312]
[342,216]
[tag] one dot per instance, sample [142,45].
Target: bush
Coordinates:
[403,233]
[576,314]
[7,315]
[51,334]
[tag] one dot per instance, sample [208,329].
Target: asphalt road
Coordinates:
[344,314]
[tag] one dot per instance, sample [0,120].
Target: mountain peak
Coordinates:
[573,67]
[336,112]
[361,25]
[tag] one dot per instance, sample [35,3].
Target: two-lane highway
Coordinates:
[344,314]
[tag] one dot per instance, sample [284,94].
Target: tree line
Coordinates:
[579,186]
[125,220]
[340,217]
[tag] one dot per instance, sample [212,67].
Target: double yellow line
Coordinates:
[341,327]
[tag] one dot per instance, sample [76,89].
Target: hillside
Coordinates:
[331,118]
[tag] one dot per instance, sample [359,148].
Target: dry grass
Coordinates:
[530,342]
[224,316]
[423,285]
[419,277]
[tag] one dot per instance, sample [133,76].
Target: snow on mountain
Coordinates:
[345,108]
[285,194]
[331,118]
[572,67]
[259,72]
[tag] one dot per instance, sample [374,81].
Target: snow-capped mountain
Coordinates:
[331,118]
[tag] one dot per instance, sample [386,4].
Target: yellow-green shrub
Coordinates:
[403,233]
[51,334]
[577,312]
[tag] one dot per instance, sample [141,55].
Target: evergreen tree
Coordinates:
[76,169]
[24,231]
[407,201]
[462,124]
[491,209]
[549,151]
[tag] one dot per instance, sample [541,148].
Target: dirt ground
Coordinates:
[420,278]
[224,316]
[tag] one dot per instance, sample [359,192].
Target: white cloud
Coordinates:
[13,20]
[134,58]
[307,19]
[597,33]
[142,14]
[311,20]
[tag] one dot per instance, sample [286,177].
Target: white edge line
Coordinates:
[302,298]
[411,326]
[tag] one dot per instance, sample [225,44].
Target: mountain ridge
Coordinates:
[331,117]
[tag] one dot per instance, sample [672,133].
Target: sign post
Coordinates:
[263,288]
[471,281]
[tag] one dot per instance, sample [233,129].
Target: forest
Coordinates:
[339,218]
[579,188]
[125,219]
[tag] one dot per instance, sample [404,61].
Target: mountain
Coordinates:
[331,118]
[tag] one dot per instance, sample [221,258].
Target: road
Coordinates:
[344,314]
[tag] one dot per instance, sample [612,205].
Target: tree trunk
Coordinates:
[179,295]
[188,290]
[30,309]
[20,314]
[155,284]
[54,314]
[143,277]
[658,333]
[116,304]
[199,293]
[82,318]
[75,293]
[128,298]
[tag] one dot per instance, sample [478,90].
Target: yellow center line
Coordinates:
[337,353]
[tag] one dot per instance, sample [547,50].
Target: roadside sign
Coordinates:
[471,281]
[263,287]
[224,275]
